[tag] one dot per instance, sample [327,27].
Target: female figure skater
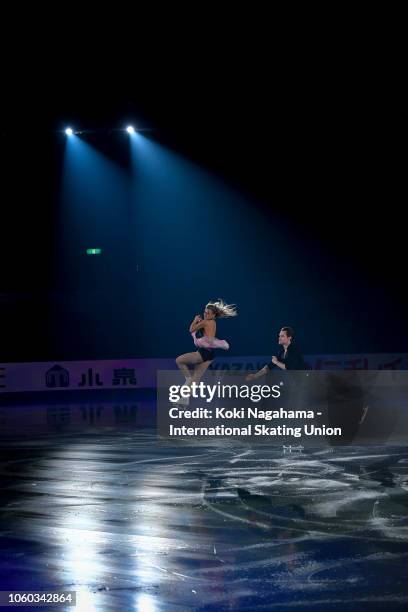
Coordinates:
[203,332]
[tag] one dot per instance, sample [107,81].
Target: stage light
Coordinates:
[69,131]
[130,129]
[93,251]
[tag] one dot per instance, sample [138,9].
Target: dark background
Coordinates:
[316,240]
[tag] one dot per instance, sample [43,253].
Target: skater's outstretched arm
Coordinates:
[258,374]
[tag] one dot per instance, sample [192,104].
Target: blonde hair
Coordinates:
[221,309]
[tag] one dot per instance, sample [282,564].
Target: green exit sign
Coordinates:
[93,251]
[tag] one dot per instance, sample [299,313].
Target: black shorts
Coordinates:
[206,354]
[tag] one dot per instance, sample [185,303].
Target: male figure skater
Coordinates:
[289,358]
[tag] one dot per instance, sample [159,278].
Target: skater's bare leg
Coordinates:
[188,359]
[199,370]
